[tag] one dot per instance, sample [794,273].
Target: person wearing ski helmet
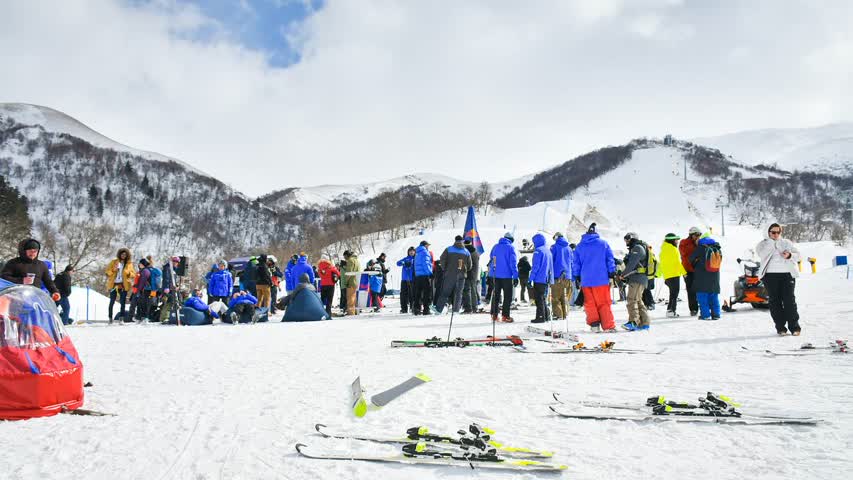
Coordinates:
[593,266]
[778,271]
[636,264]
[456,261]
[686,247]
[470,297]
[671,269]
[504,271]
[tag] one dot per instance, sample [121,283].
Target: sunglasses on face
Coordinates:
[775,232]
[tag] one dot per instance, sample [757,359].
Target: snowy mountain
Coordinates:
[328,196]
[827,149]
[87,190]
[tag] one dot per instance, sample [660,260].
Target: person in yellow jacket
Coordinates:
[671,269]
[120,273]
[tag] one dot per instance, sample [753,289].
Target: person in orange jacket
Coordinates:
[685,248]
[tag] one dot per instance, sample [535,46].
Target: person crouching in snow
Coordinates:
[779,257]
[593,266]
[635,275]
[705,260]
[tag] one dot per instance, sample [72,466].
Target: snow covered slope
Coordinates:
[827,149]
[57,122]
[322,196]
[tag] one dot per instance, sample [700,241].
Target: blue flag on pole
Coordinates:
[471,232]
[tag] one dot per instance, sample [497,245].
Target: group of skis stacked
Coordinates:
[473,447]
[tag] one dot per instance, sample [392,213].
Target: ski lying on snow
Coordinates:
[420,434]
[592,350]
[800,352]
[687,417]
[429,457]
[436,342]
[647,409]
[552,334]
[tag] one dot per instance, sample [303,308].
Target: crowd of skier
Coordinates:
[557,278]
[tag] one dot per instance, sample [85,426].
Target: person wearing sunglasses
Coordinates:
[779,273]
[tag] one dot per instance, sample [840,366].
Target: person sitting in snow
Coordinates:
[304,284]
[196,303]
[240,303]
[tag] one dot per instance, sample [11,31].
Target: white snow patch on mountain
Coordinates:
[827,149]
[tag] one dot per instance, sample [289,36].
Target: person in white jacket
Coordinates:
[778,271]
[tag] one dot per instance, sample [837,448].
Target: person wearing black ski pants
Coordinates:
[783,304]
[327,294]
[423,295]
[406,296]
[692,303]
[540,295]
[674,286]
[502,295]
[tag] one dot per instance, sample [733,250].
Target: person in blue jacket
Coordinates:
[423,279]
[220,284]
[301,267]
[196,303]
[289,279]
[407,277]
[240,303]
[593,266]
[562,291]
[504,271]
[541,276]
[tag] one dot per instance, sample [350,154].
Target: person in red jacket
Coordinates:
[685,248]
[329,275]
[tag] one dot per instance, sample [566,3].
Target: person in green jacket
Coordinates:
[671,269]
[353,270]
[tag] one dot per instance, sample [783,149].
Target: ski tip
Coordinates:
[556,396]
[299,447]
[318,426]
[423,377]
[552,408]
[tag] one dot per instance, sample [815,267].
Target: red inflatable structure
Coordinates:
[40,371]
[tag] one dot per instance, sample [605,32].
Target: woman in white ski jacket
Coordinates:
[779,257]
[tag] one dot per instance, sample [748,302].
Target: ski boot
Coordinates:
[630,326]
[506,319]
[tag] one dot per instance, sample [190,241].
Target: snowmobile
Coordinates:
[748,288]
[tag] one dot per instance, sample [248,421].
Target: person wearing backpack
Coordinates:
[671,270]
[778,271]
[651,273]
[169,289]
[706,260]
[143,289]
[686,247]
[636,266]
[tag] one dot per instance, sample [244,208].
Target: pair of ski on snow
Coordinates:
[709,409]
[807,349]
[474,448]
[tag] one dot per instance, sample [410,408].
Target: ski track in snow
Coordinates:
[230,402]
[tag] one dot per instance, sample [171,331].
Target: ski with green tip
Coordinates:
[419,454]
[686,417]
[422,434]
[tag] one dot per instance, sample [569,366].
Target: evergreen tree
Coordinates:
[15,223]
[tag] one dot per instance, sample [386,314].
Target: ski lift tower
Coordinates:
[722,206]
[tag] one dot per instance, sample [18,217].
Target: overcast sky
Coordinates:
[266,94]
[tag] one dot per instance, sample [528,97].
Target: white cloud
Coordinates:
[476,89]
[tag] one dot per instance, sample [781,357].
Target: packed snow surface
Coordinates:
[231,402]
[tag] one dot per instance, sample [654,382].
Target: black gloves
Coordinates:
[514,282]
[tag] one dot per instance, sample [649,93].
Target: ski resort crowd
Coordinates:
[557,278]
